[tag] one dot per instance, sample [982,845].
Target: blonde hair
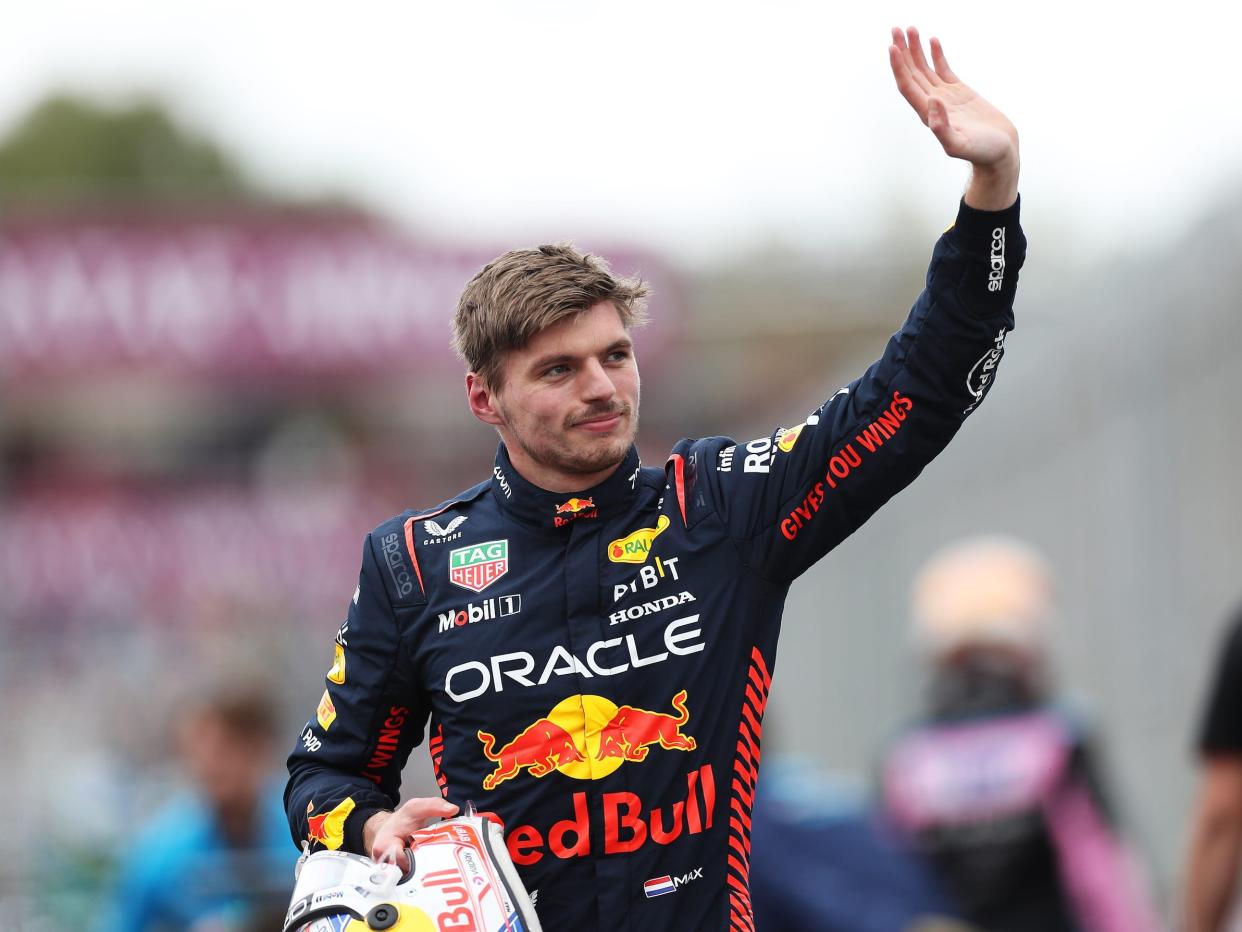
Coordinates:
[987,590]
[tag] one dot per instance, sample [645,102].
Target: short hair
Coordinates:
[519,294]
[246,712]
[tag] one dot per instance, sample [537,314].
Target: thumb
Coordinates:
[937,117]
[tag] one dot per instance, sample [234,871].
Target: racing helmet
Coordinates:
[460,872]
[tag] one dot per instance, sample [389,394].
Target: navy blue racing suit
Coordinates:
[594,667]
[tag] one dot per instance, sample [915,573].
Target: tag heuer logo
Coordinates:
[478,566]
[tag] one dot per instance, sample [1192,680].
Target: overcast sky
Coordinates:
[694,127]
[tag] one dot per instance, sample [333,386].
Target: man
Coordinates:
[593,640]
[998,787]
[217,856]
[1215,851]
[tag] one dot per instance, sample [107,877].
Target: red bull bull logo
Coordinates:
[587,737]
[574,508]
[543,747]
[632,731]
[328,828]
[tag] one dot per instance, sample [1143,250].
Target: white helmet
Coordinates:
[460,872]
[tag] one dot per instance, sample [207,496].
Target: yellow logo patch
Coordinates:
[326,713]
[789,437]
[328,829]
[337,673]
[633,548]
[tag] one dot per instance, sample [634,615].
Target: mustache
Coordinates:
[598,411]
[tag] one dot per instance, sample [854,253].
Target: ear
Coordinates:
[482,401]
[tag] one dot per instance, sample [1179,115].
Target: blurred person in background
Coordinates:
[820,859]
[998,787]
[217,857]
[1210,882]
[592,640]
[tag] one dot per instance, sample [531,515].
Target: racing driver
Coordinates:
[586,642]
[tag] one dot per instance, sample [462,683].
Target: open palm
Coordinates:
[966,125]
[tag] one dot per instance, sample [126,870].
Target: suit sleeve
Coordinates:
[790,497]
[347,762]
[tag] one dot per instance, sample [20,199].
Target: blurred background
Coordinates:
[232,237]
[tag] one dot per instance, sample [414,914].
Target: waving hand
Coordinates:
[966,126]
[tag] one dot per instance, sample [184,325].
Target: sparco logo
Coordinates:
[392,556]
[981,373]
[996,276]
[486,610]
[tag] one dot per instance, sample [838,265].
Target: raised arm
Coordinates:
[788,498]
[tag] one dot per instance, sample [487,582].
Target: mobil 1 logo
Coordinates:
[499,606]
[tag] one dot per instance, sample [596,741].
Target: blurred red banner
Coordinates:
[250,294]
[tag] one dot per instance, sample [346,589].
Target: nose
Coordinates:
[594,382]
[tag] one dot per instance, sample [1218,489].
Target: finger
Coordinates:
[942,63]
[914,94]
[391,852]
[916,77]
[416,813]
[920,62]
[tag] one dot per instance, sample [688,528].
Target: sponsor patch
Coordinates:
[648,577]
[572,509]
[401,578]
[619,822]
[658,886]
[478,566]
[587,737]
[499,607]
[326,713]
[309,741]
[606,657]
[633,548]
[788,437]
[442,534]
[635,612]
[981,373]
[503,482]
[328,828]
[337,673]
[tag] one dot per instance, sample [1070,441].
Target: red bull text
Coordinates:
[628,823]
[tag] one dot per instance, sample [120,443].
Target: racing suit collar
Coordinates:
[540,507]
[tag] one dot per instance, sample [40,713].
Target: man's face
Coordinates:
[229,769]
[568,408]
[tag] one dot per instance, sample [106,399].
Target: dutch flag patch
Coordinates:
[658,886]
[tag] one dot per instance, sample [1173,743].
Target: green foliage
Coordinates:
[70,149]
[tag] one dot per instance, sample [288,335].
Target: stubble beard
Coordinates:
[590,455]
